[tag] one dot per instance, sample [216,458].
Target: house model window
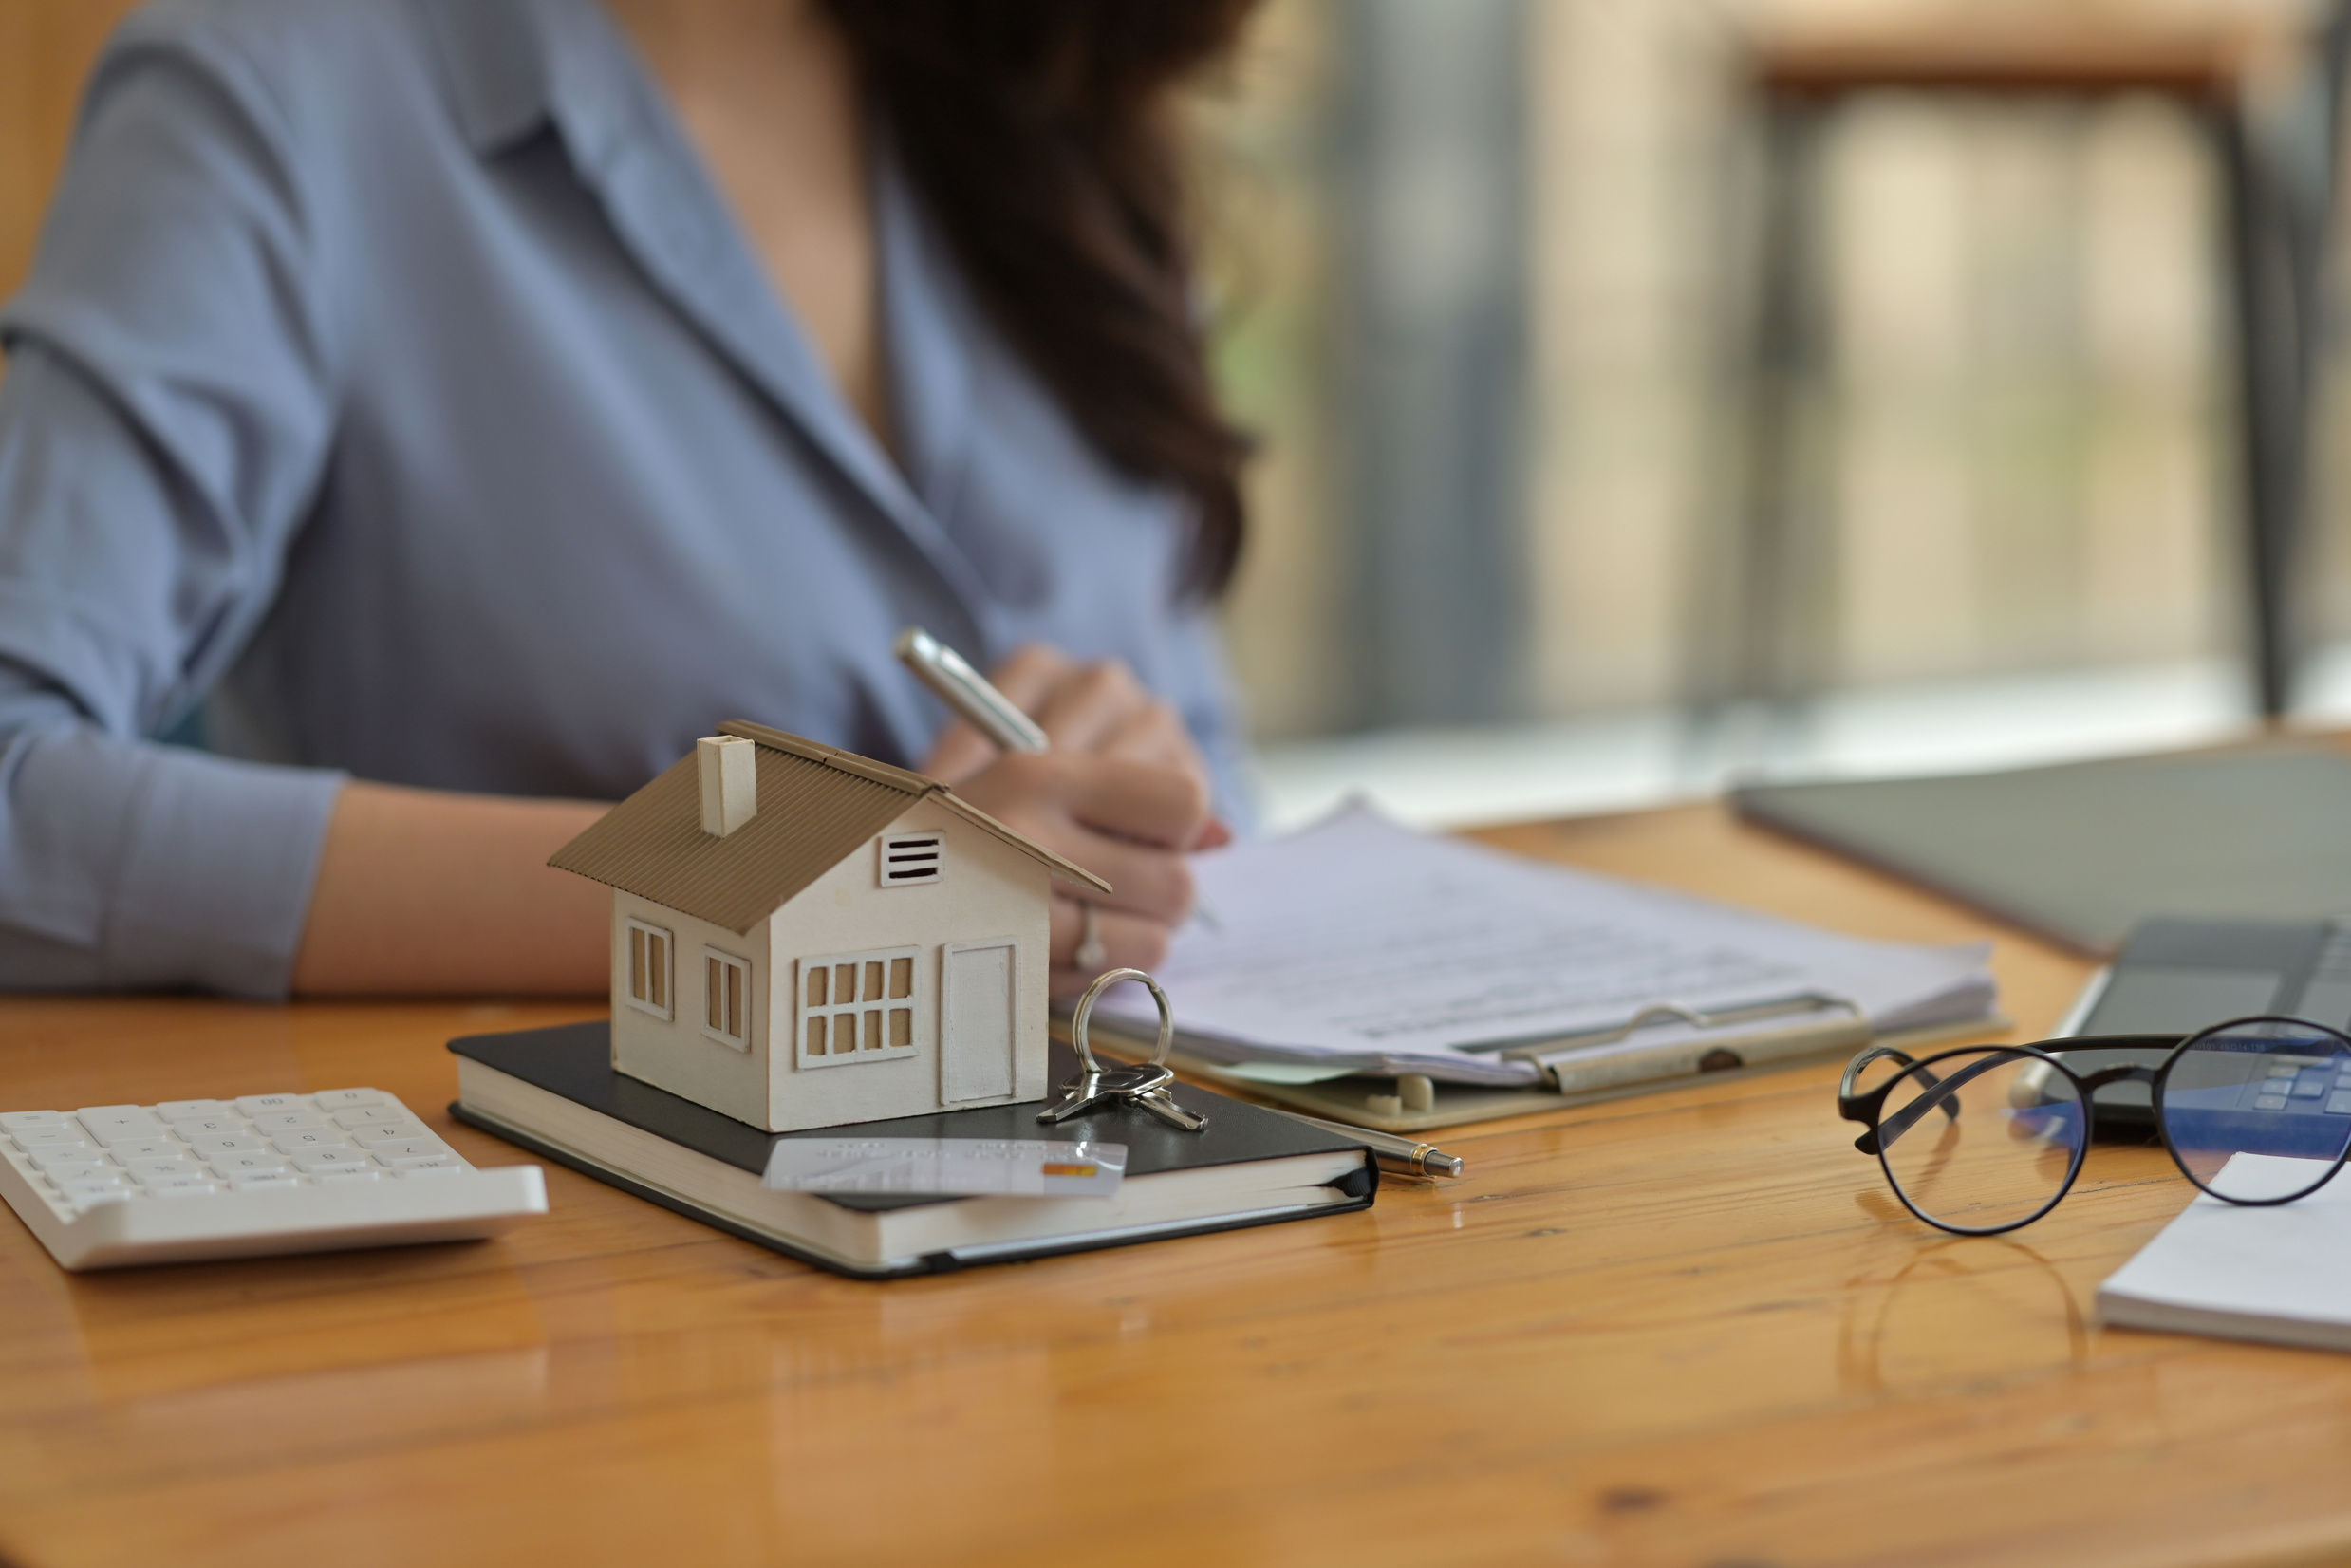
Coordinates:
[859,1007]
[726,998]
[649,969]
[909,860]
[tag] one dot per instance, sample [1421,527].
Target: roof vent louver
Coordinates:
[909,860]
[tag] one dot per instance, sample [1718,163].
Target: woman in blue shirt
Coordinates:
[481,399]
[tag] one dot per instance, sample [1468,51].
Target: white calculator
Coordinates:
[113,1185]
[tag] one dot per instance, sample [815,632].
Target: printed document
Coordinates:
[1362,945]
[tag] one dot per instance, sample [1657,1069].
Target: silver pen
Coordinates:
[965,690]
[1405,1155]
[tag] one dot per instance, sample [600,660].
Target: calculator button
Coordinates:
[2309,1088]
[262,1183]
[11,1120]
[299,1139]
[208,1127]
[152,1171]
[114,1123]
[95,1187]
[182,1186]
[377,1135]
[229,1142]
[424,1161]
[247,1165]
[2269,1102]
[347,1100]
[175,1110]
[349,1178]
[2338,1103]
[327,1159]
[47,1137]
[410,1148]
[409,1169]
[89,1176]
[284,1121]
[56,1157]
[261,1105]
[146,1148]
[367,1114]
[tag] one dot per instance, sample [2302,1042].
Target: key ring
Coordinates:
[1085,1010]
[1143,1085]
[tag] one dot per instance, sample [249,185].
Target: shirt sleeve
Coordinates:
[163,424]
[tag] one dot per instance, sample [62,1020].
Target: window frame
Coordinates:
[631,929]
[728,961]
[912,1004]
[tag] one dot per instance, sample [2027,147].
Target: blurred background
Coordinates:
[1646,401]
[1489,274]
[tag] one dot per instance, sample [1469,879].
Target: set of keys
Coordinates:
[1143,1085]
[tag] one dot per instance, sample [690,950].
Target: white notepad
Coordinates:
[2281,1274]
[1360,945]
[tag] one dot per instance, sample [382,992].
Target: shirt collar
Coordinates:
[515,67]
[493,58]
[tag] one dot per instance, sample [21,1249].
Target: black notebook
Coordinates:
[554,1091]
[2082,852]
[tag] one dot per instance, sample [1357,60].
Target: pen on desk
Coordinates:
[1405,1155]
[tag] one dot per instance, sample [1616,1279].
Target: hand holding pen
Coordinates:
[996,732]
[1120,789]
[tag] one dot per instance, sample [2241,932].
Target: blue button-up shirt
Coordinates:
[394,382]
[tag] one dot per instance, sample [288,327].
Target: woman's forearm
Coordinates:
[423,893]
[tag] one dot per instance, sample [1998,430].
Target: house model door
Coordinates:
[977,1021]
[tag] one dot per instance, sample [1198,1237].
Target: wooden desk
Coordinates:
[1690,1329]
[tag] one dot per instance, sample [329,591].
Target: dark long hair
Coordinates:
[1040,133]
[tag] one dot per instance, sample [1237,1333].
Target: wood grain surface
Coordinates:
[1690,1329]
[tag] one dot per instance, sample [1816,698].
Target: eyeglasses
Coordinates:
[1986,1138]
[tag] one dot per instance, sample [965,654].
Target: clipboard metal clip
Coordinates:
[1660,1013]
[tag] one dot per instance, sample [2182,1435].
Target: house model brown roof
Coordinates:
[816,805]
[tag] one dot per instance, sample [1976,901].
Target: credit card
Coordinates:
[947,1167]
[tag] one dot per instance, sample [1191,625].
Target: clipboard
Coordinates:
[1356,966]
[1414,1104]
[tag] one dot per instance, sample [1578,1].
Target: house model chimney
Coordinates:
[730,778]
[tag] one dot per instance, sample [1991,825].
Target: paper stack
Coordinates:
[1360,946]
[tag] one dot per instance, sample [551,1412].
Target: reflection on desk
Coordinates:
[1908,1332]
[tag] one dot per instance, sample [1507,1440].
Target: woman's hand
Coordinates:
[1123,792]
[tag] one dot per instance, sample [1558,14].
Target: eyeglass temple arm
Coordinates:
[1938,1092]
[1863,1107]
[1853,1107]
[1936,1096]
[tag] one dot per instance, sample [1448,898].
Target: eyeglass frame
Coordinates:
[1869,1108]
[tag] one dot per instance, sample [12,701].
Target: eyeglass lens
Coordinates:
[1982,1140]
[2261,1111]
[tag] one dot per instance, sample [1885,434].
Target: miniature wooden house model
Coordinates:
[804,937]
